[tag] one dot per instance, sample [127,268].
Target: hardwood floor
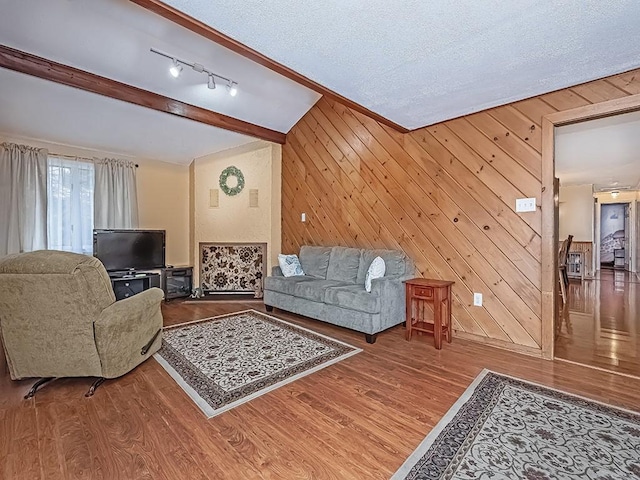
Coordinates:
[357,419]
[601,324]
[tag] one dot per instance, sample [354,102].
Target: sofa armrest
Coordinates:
[386,285]
[276,271]
[124,327]
[391,291]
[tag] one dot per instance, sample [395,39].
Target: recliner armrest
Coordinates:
[124,327]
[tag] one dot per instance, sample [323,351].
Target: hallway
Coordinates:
[599,325]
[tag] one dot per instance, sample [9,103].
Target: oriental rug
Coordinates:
[222,362]
[503,428]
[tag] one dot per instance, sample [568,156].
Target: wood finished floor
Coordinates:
[600,325]
[358,419]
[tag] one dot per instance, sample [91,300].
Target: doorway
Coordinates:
[549,253]
[614,236]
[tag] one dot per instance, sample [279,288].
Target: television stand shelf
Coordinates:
[125,286]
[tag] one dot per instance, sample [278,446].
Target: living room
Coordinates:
[439,187]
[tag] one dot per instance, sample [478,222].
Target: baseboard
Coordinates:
[513,347]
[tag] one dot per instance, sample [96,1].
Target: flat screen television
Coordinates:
[129,250]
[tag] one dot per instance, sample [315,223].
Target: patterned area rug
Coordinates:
[222,362]
[503,428]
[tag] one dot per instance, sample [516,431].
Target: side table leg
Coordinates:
[437,318]
[408,314]
[449,326]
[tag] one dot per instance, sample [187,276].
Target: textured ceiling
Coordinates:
[603,152]
[413,62]
[418,63]
[112,38]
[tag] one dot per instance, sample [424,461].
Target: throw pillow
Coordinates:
[290,265]
[376,270]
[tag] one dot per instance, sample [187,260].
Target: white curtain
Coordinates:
[23,198]
[70,187]
[116,197]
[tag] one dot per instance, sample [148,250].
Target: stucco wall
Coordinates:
[233,220]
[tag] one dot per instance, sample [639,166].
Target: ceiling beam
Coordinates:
[206,31]
[23,62]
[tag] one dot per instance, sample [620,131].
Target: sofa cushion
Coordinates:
[395,263]
[354,297]
[314,290]
[315,260]
[343,264]
[285,284]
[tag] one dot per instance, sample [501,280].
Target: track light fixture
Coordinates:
[176,69]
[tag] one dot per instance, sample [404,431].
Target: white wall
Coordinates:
[233,220]
[576,212]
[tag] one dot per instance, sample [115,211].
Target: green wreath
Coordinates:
[231,172]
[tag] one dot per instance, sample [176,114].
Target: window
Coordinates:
[70,185]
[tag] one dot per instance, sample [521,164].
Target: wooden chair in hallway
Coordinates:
[562,266]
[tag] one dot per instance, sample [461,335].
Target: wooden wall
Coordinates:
[444,194]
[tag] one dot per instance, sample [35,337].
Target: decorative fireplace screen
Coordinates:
[232,267]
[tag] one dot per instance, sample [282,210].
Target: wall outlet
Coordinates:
[477,299]
[525,204]
[303,217]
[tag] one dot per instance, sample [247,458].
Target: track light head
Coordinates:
[211,83]
[175,69]
[233,88]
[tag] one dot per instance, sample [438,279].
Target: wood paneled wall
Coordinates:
[444,194]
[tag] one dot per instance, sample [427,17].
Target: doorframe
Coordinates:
[549,258]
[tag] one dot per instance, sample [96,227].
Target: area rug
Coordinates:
[222,362]
[503,428]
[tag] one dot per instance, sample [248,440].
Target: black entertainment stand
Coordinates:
[128,284]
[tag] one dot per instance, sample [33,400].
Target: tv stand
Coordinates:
[127,284]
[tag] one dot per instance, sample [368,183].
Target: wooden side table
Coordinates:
[436,292]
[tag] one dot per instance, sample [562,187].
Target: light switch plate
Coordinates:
[477,299]
[303,217]
[525,204]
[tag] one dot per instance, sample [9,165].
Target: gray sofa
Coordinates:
[332,289]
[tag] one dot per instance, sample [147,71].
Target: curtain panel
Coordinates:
[116,196]
[23,198]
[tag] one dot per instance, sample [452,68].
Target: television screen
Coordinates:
[121,250]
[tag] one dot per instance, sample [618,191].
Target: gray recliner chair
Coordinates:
[59,318]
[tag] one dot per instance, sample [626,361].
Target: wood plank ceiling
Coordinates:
[444,194]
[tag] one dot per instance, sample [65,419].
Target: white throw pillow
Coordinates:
[376,270]
[290,265]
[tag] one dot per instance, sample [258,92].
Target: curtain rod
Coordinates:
[76,157]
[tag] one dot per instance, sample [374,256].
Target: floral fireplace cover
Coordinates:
[232,267]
